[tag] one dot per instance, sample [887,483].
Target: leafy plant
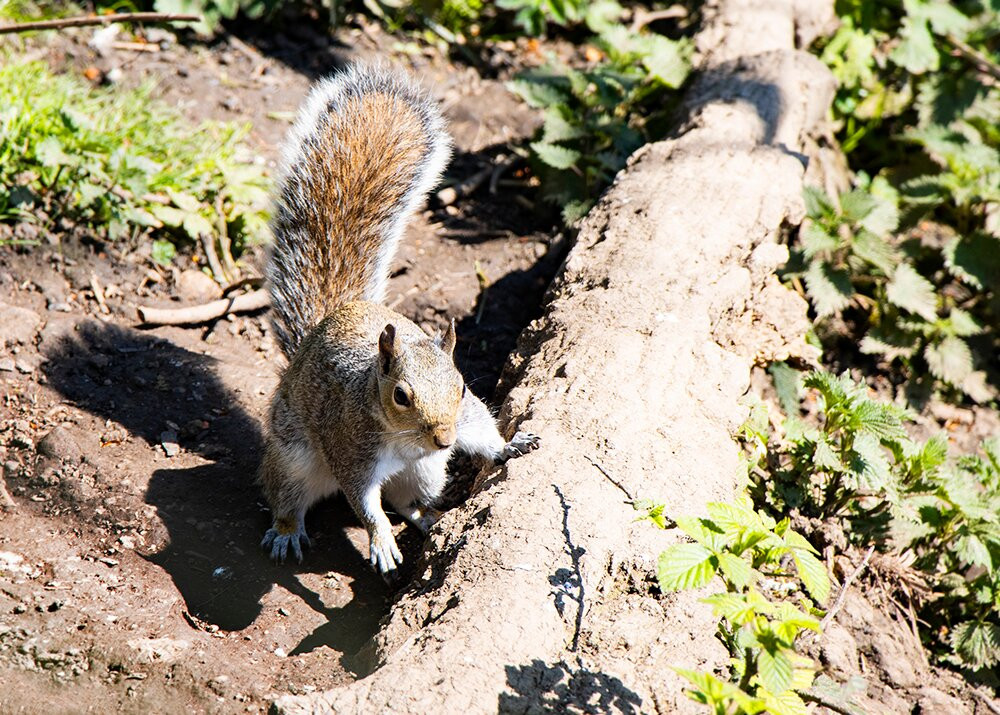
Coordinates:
[121,163]
[762,610]
[923,305]
[595,117]
[905,497]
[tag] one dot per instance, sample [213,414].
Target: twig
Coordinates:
[228,264]
[611,479]
[451,194]
[255,281]
[208,245]
[98,20]
[839,603]
[136,46]
[987,701]
[984,63]
[825,702]
[95,286]
[498,171]
[190,315]
[643,17]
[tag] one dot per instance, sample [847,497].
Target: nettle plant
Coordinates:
[924,302]
[904,497]
[597,115]
[771,579]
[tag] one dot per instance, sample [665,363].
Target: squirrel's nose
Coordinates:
[444,437]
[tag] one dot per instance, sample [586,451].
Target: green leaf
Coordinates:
[949,360]
[874,250]
[977,643]
[916,53]
[973,551]
[734,607]
[911,291]
[666,59]
[557,128]
[163,252]
[787,384]
[538,93]
[737,570]
[829,289]
[685,566]
[818,203]
[824,456]
[975,260]
[196,226]
[813,574]
[50,152]
[558,157]
[784,703]
[774,668]
[857,204]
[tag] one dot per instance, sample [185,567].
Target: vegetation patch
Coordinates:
[122,164]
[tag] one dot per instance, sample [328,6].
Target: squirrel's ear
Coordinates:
[447,341]
[387,347]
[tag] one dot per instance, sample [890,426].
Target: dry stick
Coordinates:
[824,702]
[208,245]
[98,20]
[987,701]
[643,17]
[839,603]
[189,315]
[984,63]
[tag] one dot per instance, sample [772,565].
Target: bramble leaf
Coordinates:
[685,566]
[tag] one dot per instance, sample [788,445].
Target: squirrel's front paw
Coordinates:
[278,543]
[519,445]
[385,554]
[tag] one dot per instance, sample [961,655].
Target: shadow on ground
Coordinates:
[559,688]
[212,512]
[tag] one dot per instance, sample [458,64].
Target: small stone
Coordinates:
[18,325]
[20,608]
[280,652]
[168,440]
[127,541]
[11,468]
[196,287]
[158,650]
[283,611]
[60,444]
[24,366]
[6,364]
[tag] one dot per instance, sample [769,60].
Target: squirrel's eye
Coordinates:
[400,398]
[463,390]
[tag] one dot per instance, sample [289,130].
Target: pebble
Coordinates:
[168,440]
[6,364]
[24,366]
[18,325]
[194,286]
[60,444]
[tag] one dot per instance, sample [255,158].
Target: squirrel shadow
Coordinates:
[213,513]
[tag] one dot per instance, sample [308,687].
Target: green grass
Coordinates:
[121,163]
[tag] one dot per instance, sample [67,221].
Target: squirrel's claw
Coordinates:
[278,543]
[520,444]
[385,554]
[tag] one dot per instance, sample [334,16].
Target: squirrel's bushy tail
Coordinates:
[366,148]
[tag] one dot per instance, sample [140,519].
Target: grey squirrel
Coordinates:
[369,404]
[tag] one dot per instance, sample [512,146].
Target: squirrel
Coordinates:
[369,404]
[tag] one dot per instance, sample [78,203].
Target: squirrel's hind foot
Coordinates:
[520,444]
[278,543]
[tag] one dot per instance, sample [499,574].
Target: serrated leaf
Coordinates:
[869,463]
[874,250]
[784,703]
[50,152]
[829,289]
[787,384]
[977,643]
[857,204]
[973,552]
[558,157]
[816,240]
[737,570]
[196,226]
[557,128]
[916,53]
[911,291]
[824,456]
[685,566]
[949,360]
[963,324]
[774,668]
[813,574]
[883,420]
[538,93]
[818,204]
[975,260]
[731,606]
[666,60]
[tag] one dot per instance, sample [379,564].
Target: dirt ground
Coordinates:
[130,573]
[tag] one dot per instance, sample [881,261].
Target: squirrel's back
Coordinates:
[366,148]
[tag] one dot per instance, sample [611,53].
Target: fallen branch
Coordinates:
[98,20]
[839,603]
[987,701]
[193,314]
